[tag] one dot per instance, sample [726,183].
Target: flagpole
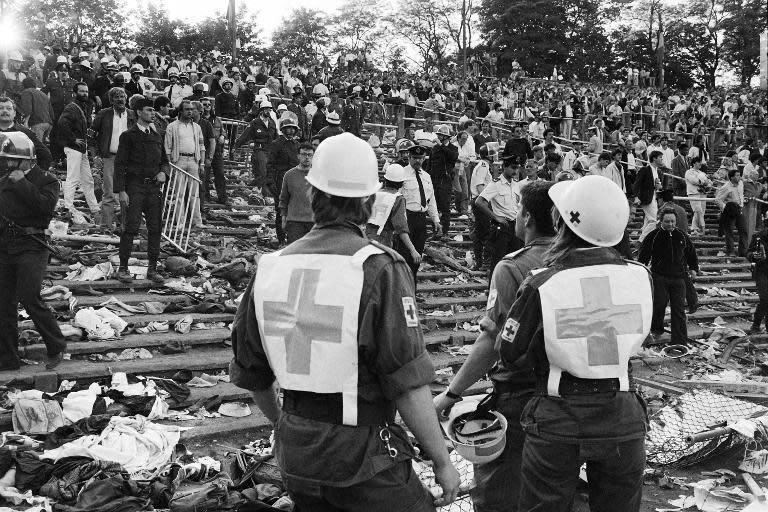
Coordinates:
[232,26]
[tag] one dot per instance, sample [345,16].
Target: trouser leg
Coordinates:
[761,280]
[417,227]
[443,203]
[660,300]
[9,334]
[649,222]
[153,210]
[679,328]
[741,228]
[480,233]
[549,475]
[616,479]
[86,184]
[219,180]
[132,221]
[73,177]
[259,162]
[108,199]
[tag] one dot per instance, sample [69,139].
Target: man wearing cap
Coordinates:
[319,120]
[294,105]
[333,127]
[59,89]
[283,155]
[226,103]
[441,168]
[420,202]
[352,116]
[294,205]
[499,202]
[338,446]
[180,90]
[248,95]
[103,83]
[28,196]
[261,131]
[134,84]
[107,127]
[141,168]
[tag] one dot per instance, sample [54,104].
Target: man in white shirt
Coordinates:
[696,184]
[536,129]
[667,152]
[496,115]
[420,202]
[185,148]
[606,167]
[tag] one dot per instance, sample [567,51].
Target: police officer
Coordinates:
[262,131]
[577,323]
[498,202]
[283,156]
[403,147]
[332,319]
[141,168]
[497,483]
[441,168]
[419,202]
[28,196]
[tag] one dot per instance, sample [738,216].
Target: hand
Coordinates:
[284,222]
[124,200]
[438,229]
[443,404]
[160,177]
[80,142]
[447,477]
[692,273]
[16,175]
[416,257]
[207,162]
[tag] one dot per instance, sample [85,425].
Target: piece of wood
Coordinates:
[88,239]
[440,257]
[754,488]
[661,386]
[725,387]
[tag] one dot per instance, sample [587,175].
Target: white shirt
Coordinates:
[669,155]
[501,198]
[186,138]
[410,192]
[481,175]
[119,125]
[694,179]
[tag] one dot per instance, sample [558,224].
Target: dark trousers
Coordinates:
[296,229]
[761,311]
[274,184]
[497,483]
[22,265]
[503,241]
[691,295]
[443,193]
[480,236]
[741,227]
[417,228]
[143,198]
[667,290]
[259,167]
[550,475]
[219,181]
[394,490]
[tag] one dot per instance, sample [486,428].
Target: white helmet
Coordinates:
[333,118]
[83,54]
[345,166]
[477,435]
[424,140]
[395,172]
[282,107]
[265,104]
[137,68]
[15,55]
[600,221]
[264,91]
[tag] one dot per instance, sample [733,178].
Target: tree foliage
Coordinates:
[356,26]
[421,23]
[72,21]
[302,35]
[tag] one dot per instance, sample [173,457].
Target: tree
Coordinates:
[302,35]
[157,29]
[741,36]
[73,21]
[458,22]
[421,23]
[356,26]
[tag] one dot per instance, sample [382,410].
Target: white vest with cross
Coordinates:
[595,318]
[307,310]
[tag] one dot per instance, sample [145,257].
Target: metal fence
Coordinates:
[182,199]
[232,129]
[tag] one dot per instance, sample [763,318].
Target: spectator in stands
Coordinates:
[679,166]
[669,253]
[36,108]
[518,146]
[605,166]
[647,183]
[294,204]
[226,103]
[730,198]
[697,183]
[261,131]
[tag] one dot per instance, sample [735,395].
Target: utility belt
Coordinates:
[516,389]
[8,230]
[570,385]
[187,154]
[259,146]
[327,408]
[501,229]
[132,178]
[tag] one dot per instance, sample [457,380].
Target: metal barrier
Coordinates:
[182,198]
[232,130]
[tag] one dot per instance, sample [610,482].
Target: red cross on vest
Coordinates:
[599,321]
[297,320]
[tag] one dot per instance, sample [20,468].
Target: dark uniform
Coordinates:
[41,150]
[498,482]
[440,166]
[262,136]
[217,162]
[140,156]
[29,203]
[589,298]
[283,156]
[329,131]
[329,444]
[757,255]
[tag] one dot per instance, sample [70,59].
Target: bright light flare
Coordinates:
[9,34]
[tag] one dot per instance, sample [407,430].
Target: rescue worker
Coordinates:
[498,201]
[332,128]
[403,147]
[441,168]
[28,196]
[261,131]
[388,218]
[225,104]
[497,483]
[141,168]
[283,156]
[337,444]
[577,323]
[419,197]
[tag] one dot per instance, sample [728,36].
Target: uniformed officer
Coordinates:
[403,147]
[388,219]
[577,323]
[262,131]
[332,318]
[28,196]
[499,203]
[419,202]
[497,483]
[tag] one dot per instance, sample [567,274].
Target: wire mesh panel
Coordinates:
[182,196]
[232,129]
[692,428]
[467,475]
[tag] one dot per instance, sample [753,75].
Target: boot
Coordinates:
[154,276]
[124,276]
[97,218]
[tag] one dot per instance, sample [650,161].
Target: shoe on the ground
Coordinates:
[54,361]
[463,216]
[124,276]
[154,276]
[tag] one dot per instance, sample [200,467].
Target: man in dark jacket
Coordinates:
[106,137]
[671,254]
[226,103]
[283,156]
[517,145]
[248,95]
[8,124]
[648,181]
[28,196]
[295,106]
[261,132]
[36,108]
[141,168]
[73,133]
[352,116]
[441,168]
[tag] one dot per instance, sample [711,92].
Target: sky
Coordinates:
[270,12]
